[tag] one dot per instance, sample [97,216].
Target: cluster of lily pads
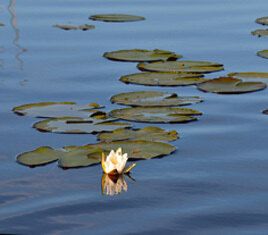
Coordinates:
[261,33]
[157,68]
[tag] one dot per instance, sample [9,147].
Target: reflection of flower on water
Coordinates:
[113,184]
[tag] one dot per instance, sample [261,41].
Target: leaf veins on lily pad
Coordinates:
[230,85]
[57,109]
[186,66]
[77,125]
[83,27]
[153,99]
[156,114]
[116,18]
[163,79]
[141,55]
[263,54]
[262,20]
[150,133]
[82,156]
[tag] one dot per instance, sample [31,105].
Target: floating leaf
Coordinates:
[83,27]
[181,67]
[67,125]
[1,24]
[140,55]
[265,111]
[136,149]
[56,109]
[150,133]
[39,156]
[262,20]
[229,85]
[163,79]
[156,114]
[263,54]
[153,99]
[116,18]
[253,75]
[260,32]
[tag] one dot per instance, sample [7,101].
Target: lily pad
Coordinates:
[150,133]
[140,55]
[116,18]
[230,85]
[153,99]
[38,157]
[253,75]
[262,20]
[263,54]
[1,24]
[260,32]
[156,114]
[163,79]
[56,109]
[181,66]
[67,125]
[136,149]
[83,27]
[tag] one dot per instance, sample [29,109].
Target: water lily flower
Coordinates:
[115,162]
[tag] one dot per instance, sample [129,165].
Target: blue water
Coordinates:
[216,181]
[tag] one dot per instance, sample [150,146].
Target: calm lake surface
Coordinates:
[216,181]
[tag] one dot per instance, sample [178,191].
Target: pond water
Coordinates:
[216,181]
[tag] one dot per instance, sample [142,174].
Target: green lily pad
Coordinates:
[77,125]
[156,114]
[163,79]
[136,149]
[38,157]
[181,67]
[56,109]
[229,85]
[153,99]
[263,54]
[265,112]
[253,75]
[260,32]
[262,20]
[140,55]
[150,133]
[83,27]
[116,18]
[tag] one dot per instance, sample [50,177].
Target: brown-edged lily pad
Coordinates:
[153,99]
[150,133]
[260,32]
[181,66]
[156,114]
[263,54]
[230,85]
[82,156]
[163,79]
[83,27]
[116,18]
[249,75]
[57,109]
[141,55]
[262,20]
[67,125]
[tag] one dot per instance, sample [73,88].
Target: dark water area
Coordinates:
[216,181]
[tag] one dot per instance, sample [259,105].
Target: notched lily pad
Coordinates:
[149,133]
[230,85]
[141,55]
[249,75]
[38,157]
[260,32]
[163,79]
[156,114]
[57,109]
[186,66]
[262,20]
[116,18]
[67,125]
[263,54]
[153,99]
[83,27]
